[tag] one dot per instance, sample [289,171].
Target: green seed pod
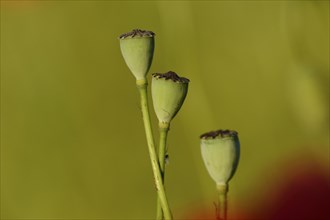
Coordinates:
[137,48]
[220,152]
[168,94]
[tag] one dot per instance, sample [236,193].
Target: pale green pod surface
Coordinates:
[137,48]
[168,94]
[220,152]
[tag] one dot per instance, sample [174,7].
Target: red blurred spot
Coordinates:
[304,195]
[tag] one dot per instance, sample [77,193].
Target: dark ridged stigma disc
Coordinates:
[137,33]
[219,133]
[172,76]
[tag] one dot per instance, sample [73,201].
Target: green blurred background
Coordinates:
[72,138]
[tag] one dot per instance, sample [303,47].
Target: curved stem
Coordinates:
[142,87]
[163,131]
[221,210]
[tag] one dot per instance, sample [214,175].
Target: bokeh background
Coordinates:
[72,138]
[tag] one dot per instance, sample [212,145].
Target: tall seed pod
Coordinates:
[137,48]
[168,94]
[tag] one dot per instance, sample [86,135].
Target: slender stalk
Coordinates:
[163,131]
[142,87]
[221,211]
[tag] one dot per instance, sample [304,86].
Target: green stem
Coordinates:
[221,210]
[163,131]
[142,87]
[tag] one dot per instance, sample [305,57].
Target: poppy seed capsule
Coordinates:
[137,48]
[168,94]
[220,152]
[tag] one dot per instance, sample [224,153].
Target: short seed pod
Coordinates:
[168,94]
[137,48]
[220,152]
